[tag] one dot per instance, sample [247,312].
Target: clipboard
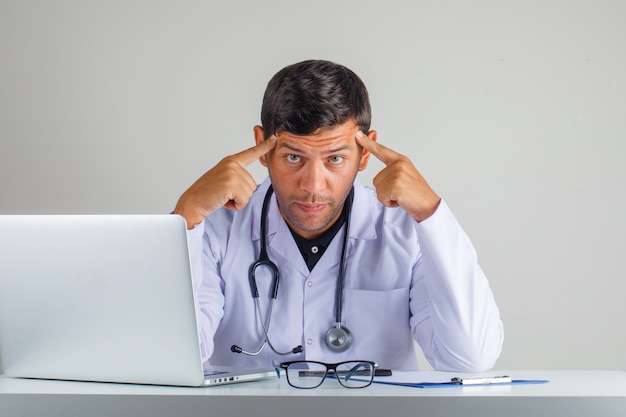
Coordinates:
[468,381]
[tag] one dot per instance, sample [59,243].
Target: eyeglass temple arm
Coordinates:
[357,367]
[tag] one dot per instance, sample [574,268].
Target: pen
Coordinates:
[483,380]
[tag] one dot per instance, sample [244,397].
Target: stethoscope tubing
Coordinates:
[337,344]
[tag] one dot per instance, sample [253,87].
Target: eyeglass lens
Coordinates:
[354,374]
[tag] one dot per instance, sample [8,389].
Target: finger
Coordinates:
[245,158]
[384,154]
[238,201]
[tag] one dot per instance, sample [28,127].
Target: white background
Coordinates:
[515,111]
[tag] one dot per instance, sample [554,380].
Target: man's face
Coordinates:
[312,175]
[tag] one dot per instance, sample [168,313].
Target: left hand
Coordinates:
[400,184]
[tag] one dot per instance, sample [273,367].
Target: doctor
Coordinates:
[362,272]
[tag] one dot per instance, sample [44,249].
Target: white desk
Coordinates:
[569,393]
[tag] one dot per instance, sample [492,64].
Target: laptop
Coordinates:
[105,298]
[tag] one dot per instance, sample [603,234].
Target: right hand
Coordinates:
[227,184]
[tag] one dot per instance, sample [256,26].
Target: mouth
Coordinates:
[311,208]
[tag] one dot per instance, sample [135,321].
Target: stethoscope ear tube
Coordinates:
[275,277]
[339,338]
[252,278]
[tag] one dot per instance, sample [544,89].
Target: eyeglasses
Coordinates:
[311,374]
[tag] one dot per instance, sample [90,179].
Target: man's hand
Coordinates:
[227,184]
[399,184]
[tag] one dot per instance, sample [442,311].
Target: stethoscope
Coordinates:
[338,338]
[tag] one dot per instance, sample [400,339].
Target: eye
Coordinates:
[336,160]
[293,158]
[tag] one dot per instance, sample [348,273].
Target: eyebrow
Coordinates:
[328,152]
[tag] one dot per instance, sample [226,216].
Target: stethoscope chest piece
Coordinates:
[338,338]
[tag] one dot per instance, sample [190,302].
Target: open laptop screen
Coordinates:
[99,298]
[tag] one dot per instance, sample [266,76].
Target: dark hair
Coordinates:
[311,95]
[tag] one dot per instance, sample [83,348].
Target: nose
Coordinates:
[313,178]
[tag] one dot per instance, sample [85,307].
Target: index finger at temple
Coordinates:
[250,155]
[384,154]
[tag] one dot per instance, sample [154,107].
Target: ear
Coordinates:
[366,154]
[259,137]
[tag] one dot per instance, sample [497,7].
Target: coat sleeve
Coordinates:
[208,288]
[454,316]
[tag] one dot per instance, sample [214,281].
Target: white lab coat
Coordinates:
[404,280]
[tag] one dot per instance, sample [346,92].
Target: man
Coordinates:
[363,273]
